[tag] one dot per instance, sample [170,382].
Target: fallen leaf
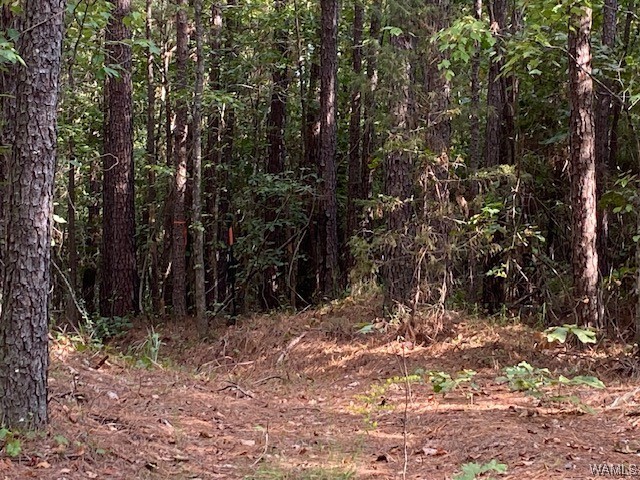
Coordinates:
[44,464]
[432,452]
[248,443]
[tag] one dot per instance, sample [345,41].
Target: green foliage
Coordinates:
[471,471]
[319,473]
[559,334]
[461,41]
[538,381]
[12,445]
[444,383]
[148,351]
[374,402]
[99,329]
[61,440]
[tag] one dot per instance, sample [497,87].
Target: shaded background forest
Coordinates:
[231,156]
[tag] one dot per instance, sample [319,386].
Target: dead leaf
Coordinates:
[248,443]
[91,474]
[432,452]
[43,465]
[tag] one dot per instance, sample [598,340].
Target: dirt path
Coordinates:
[306,398]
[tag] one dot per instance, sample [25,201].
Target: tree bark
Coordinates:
[354,192]
[150,149]
[198,243]
[602,123]
[119,274]
[399,270]
[179,228]
[369,110]
[30,172]
[583,170]
[498,144]
[328,133]
[273,282]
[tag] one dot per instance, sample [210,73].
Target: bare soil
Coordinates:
[306,396]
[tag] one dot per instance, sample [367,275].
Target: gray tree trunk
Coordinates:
[30,171]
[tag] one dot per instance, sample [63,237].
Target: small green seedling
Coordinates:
[559,334]
[470,471]
[12,445]
[374,402]
[444,383]
[537,381]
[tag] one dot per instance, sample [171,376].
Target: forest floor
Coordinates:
[307,396]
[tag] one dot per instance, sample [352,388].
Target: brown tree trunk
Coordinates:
[475,149]
[72,244]
[309,267]
[474,117]
[435,176]
[92,241]
[211,160]
[179,228]
[617,104]
[498,149]
[198,242]
[150,149]
[369,110]
[30,172]
[399,269]
[328,132]
[355,189]
[119,274]
[583,170]
[602,122]
[273,281]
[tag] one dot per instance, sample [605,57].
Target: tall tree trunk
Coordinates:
[309,267]
[198,243]
[211,160]
[328,132]
[92,240]
[7,111]
[498,146]
[474,117]
[602,115]
[118,285]
[355,189]
[72,244]
[179,228]
[435,176]
[369,110]
[617,104]
[150,149]
[399,270]
[168,210]
[497,150]
[475,147]
[583,169]
[273,281]
[24,357]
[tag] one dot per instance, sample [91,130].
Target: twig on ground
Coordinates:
[290,347]
[238,388]
[624,398]
[405,415]
[266,447]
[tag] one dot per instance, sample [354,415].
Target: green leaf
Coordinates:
[556,334]
[58,219]
[13,447]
